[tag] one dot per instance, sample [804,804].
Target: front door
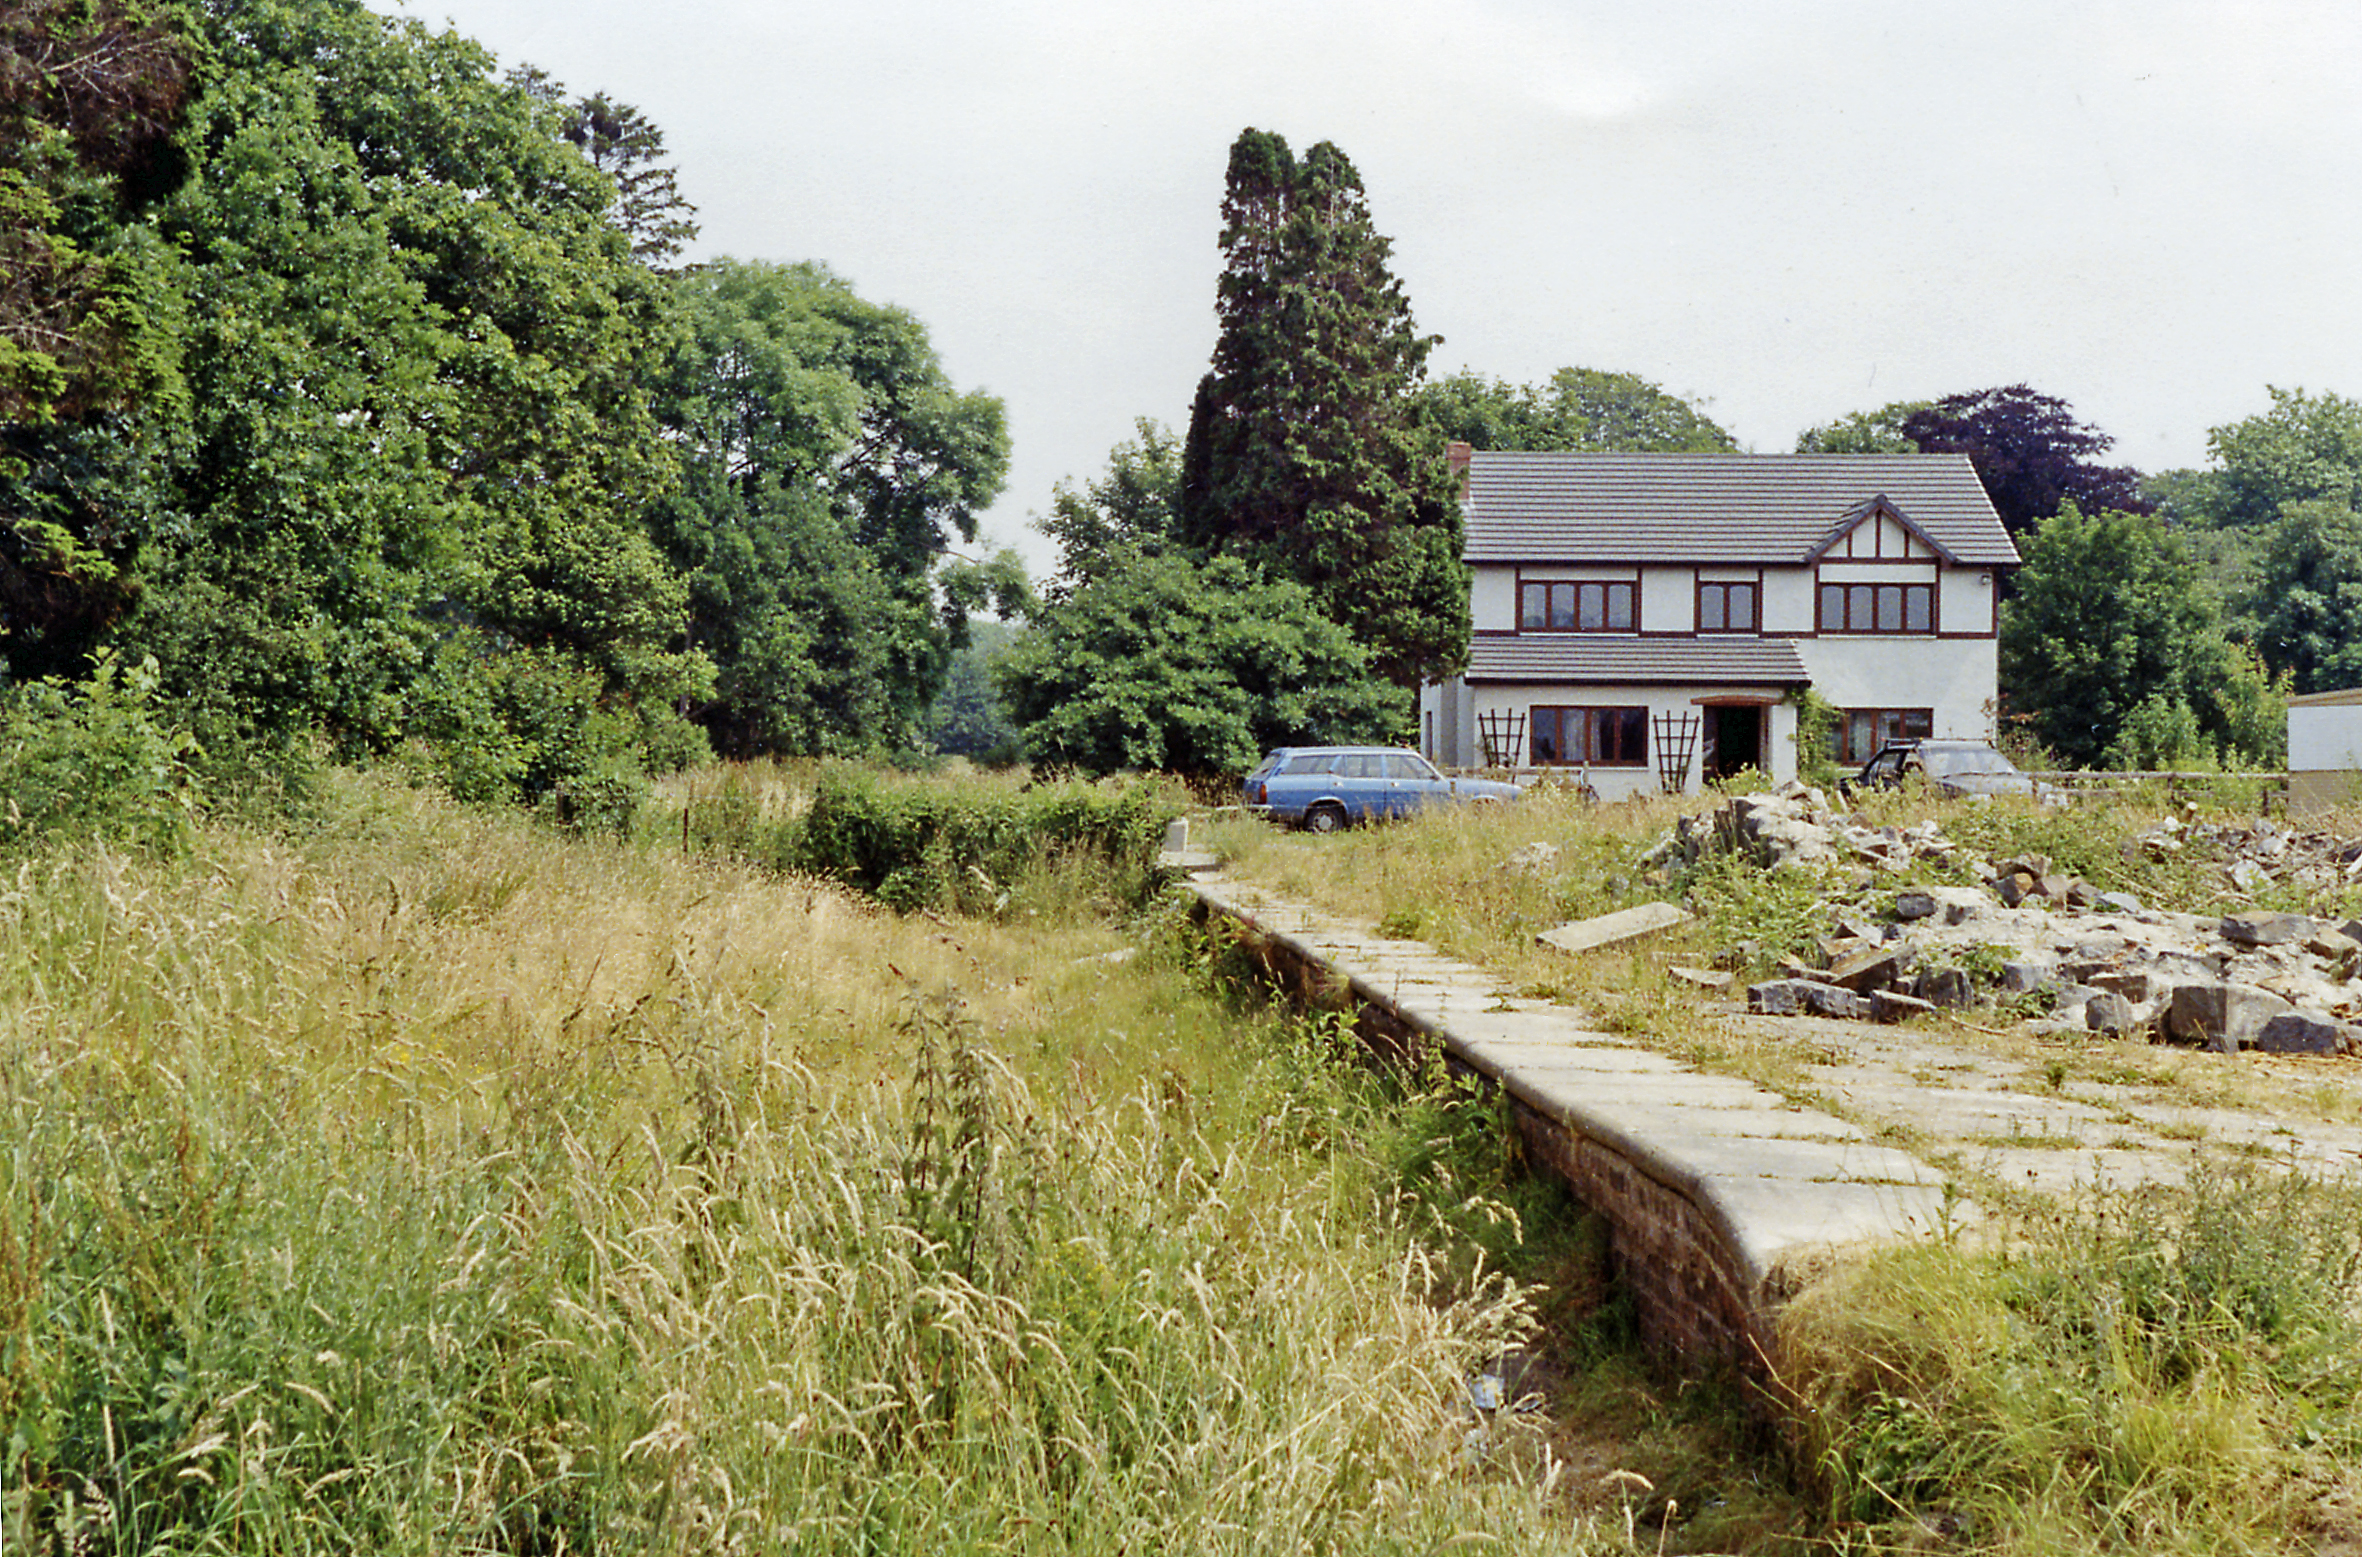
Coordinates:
[1734,740]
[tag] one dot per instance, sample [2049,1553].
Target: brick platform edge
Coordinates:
[1723,1200]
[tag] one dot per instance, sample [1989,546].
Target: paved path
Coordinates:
[1725,1195]
[1722,1195]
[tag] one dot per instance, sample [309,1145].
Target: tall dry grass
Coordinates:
[428,1182]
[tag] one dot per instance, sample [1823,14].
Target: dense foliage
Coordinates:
[829,467]
[2030,452]
[1168,664]
[337,380]
[1581,409]
[1304,455]
[2113,651]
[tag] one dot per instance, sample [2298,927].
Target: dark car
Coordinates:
[1955,768]
[1324,788]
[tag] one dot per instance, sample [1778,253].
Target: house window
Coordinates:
[1861,732]
[1601,737]
[1577,608]
[1726,608]
[1878,608]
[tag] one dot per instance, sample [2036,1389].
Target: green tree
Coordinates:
[1865,432]
[402,496]
[2308,595]
[1129,510]
[1162,664]
[830,467]
[90,94]
[1580,409]
[2305,448]
[2112,630]
[968,718]
[1303,455]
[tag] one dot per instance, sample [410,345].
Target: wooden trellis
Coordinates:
[1504,737]
[1677,743]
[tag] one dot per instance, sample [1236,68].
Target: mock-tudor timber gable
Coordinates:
[1696,595]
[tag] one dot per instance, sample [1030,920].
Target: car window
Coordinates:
[1404,765]
[1310,762]
[1954,764]
[1353,764]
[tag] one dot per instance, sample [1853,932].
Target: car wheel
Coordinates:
[1324,819]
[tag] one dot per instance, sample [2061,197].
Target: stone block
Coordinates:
[1804,997]
[2221,1016]
[1949,987]
[2262,927]
[2108,1012]
[1892,1005]
[1915,905]
[2298,1032]
[2023,978]
[1875,967]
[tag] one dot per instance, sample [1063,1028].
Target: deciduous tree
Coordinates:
[2307,447]
[831,467]
[2030,452]
[1161,663]
[1580,409]
[1865,432]
[2111,618]
[1128,511]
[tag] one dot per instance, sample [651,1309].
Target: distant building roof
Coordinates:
[1727,508]
[1770,662]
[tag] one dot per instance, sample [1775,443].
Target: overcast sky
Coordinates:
[1788,211]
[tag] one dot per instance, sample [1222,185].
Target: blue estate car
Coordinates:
[1324,788]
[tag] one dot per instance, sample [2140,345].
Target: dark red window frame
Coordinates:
[1614,737]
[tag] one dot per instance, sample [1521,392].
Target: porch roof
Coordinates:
[1607,657]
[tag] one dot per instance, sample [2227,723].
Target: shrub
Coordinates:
[913,844]
[93,761]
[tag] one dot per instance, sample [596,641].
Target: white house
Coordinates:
[1653,618]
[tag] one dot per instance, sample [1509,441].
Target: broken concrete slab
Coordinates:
[1626,924]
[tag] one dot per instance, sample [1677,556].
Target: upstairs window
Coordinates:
[1596,607]
[1726,608]
[1878,608]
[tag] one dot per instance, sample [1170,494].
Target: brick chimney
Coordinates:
[1456,454]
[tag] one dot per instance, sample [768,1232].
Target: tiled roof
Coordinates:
[1610,657]
[1727,508]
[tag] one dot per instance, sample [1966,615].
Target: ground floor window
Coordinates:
[1861,731]
[1602,737]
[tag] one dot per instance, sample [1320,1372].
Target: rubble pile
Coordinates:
[2080,959]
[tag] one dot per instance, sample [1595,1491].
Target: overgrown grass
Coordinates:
[2170,1369]
[431,1182]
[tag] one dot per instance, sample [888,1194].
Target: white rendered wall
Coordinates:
[2325,737]
[1956,677]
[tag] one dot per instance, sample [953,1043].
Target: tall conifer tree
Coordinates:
[1304,454]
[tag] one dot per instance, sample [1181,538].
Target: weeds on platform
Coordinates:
[2165,1369]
